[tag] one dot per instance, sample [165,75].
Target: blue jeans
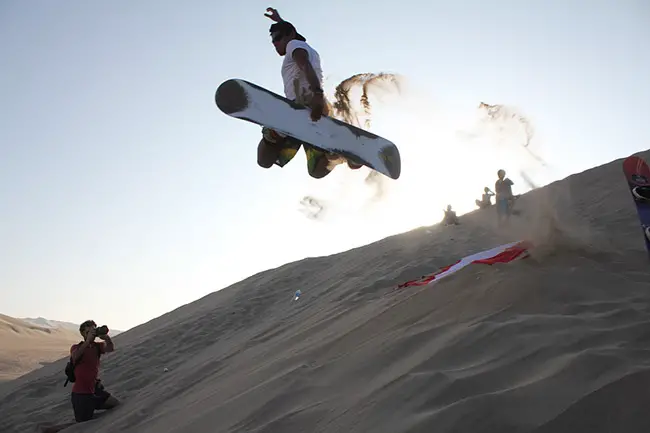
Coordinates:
[503,206]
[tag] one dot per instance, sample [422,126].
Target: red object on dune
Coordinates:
[501,254]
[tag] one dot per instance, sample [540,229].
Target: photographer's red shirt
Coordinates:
[87,368]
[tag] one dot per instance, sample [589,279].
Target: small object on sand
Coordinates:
[297,295]
[165,369]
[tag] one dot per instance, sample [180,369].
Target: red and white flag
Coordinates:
[501,254]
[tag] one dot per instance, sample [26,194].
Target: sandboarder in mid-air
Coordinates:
[302,76]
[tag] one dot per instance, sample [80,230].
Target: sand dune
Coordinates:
[57,324]
[25,346]
[558,342]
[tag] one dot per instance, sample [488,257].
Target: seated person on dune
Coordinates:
[450,217]
[486,200]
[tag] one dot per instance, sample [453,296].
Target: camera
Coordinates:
[101,331]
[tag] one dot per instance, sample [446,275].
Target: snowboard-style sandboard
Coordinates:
[637,174]
[247,101]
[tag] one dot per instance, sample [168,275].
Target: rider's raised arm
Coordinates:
[273,14]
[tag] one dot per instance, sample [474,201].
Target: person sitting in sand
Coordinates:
[450,217]
[486,200]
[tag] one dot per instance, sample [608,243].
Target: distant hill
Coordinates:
[26,346]
[52,324]
[46,323]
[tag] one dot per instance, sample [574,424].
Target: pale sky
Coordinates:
[125,193]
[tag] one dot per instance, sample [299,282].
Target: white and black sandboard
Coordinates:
[247,101]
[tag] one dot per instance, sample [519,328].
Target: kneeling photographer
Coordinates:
[88,392]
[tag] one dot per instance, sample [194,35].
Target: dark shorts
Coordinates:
[289,147]
[85,405]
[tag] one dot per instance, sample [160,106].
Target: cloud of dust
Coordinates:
[511,131]
[510,123]
[550,220]
[448,157]
[553,225]
[549,217]
[506,139]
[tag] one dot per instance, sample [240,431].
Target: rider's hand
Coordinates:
[317,106]
[273,14]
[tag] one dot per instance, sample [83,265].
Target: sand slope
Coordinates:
[25,346]
[559,342]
